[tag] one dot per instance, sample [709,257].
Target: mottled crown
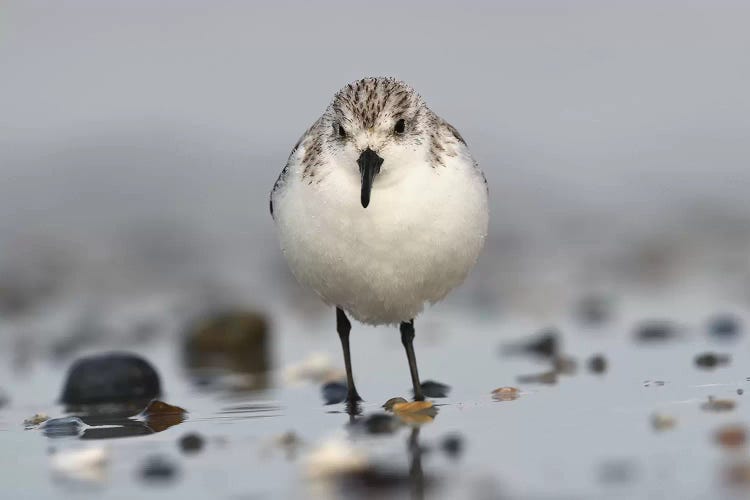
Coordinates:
[370,99]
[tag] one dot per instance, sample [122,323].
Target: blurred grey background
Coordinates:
[139,139]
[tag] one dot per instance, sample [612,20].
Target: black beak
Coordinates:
[369,165]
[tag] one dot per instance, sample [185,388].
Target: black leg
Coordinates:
[407,338]
[344,327]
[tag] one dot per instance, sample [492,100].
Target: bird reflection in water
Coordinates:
[380,479]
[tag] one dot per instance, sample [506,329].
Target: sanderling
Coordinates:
[380,209]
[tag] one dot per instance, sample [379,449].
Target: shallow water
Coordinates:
[586,436]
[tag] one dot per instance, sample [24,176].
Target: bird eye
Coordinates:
[400,126]
[342,132]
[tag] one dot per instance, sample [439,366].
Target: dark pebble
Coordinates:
[237,341]
[453,445]
[380,423]
[433,389]
[711,360]
[110,378]
[617,471]
[544,344]
[656,331]
[191,443]
[334,392]
[724,326]
[547,378]
[740,392]
[158,469]
[597,364]
[594,310]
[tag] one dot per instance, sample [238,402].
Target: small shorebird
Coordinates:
[380,208]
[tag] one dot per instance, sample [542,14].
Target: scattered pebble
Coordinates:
[738,473]
[110,378]
[506,394]
[453,445]
[191,443]
[416,412]
[724,326]
[594,310]
[653,383]
[388,405]
[740,392]
[617,471]
[289,441]
[565,365]
[663,422]
[236,340]
[732,436]
[86,464]
[597,364]
[433,389]
[547,378]
[711,360]
[35,420]
[334,392]
[4,399]
[335,457]
[718,405]
[158,469]
[656,331]
[62,427]
[544,344]
[158,408]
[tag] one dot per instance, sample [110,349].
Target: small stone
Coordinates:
[597,364]
[724,326]
[544,344]
[718,405]
[235,340]
[656,331]
[63,427]
[35,420]
[288,440]
[594,310]
[110,378]
[711,360]
[416,412]
[334,392]
[732,436]
[191,443]
[653,383]
[158,408]
[565,365]
[662,422]
[617,471]
[388,405]
[160,416]
[433,389]
[740,392]
[158,469]
[738,474]
[452,445]
[87,464]
[4,399]
[506,394]
[547,378]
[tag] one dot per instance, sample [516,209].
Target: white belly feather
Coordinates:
[417,240]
